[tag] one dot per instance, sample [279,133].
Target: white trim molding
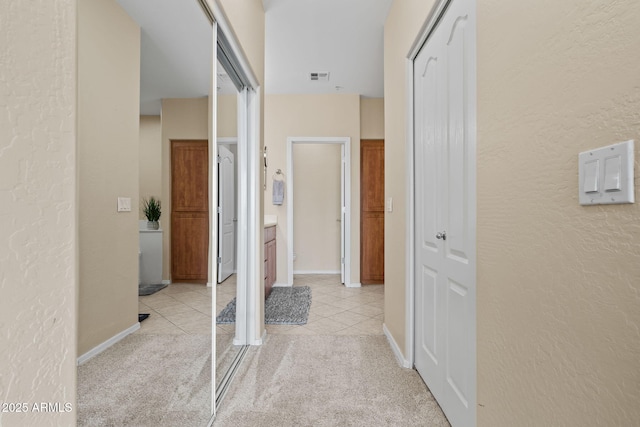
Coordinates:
[396,349]
[346,142]
[108,343]
[316,271]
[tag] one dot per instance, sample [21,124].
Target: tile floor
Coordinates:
[335,310]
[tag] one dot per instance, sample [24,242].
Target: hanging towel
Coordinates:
[278,192]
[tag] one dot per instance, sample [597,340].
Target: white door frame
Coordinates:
[346,143]
[430,24]
[232,141]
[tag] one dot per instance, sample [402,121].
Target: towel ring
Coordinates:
[278,172]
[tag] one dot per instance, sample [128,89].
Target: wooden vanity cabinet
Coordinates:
[269,259]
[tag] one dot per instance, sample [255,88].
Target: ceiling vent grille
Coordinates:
[321,76]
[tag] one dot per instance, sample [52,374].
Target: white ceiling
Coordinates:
[342,37]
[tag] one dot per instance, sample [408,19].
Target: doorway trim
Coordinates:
[346,143]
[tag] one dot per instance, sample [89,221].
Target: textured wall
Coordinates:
[108,140]
[558,284]
[150,159]
[400,30]
[372,118]
[37,209]
[312,115]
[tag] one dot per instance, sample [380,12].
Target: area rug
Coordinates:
[284,306]
[144,290]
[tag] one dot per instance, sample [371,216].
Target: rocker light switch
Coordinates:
[591,170]
[605,175]
[612,174]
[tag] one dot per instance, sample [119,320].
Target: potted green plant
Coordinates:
[152,210]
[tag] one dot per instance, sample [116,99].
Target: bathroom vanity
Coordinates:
[269,257]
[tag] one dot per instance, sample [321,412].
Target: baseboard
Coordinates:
[108,343]
[316,271]
[353,285]
[166,282]
[394,347]
[260,341]
[281,285]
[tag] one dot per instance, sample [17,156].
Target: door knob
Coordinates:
[442,235]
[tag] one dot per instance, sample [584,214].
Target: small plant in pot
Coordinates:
[152,210]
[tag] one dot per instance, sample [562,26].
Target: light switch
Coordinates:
[605,175]
[612,174]
[591,170]
[389,204]
[124,204]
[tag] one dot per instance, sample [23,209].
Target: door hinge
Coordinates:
[341,260]
[219,209]
[219,260]
[218,159]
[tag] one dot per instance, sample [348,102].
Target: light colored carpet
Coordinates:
[225,353]
[147,380]
[327,381]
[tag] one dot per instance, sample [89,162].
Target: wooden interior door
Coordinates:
[189,211]
[371,212]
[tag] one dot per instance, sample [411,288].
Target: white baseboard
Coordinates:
[260,341]
[166,282]
[353,285]
[316,271]
[396,350]
[281,285]
[108,343]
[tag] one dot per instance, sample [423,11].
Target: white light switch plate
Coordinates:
[613,180]
[124,204]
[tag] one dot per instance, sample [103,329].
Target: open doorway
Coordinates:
[327,182]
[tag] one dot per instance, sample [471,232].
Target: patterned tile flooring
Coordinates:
[335,310]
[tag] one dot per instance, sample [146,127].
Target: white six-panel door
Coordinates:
[444,277]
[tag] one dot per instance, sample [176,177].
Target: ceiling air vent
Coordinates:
[321,76]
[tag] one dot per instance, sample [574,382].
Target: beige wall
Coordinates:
[182,119]
[316,238]
[38,209]
[108,135]
[401,28]
[372,118]
[227,116]
[557,283]
[150,158]
[312,116]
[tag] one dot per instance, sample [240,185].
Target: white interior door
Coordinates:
[226,213]
[444,134]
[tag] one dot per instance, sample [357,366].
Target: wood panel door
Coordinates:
[372,212]
[189,211]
